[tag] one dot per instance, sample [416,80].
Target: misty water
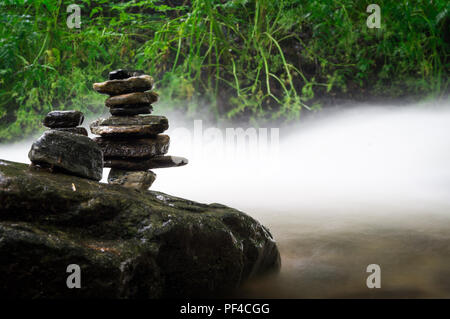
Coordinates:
[340,190]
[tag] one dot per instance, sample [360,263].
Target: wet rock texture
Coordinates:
[131,179]
[139,83]
[131,138]
[134,120]
[121,111]
[142,164]
[75,130]
[132,99]
[60,119]
[136,148]
[74,153]
[124,74]
[126,126]
[128,243]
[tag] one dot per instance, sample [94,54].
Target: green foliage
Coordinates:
[254,59]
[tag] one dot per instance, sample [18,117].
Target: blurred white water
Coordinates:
[360,155]
[344,188]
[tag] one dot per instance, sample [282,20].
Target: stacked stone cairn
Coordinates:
[65,147]
[131,139]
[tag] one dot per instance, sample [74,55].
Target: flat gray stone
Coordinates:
[133,148]
[146,163]
[139,83]
[59,119]
[131,179]
[132,120]
[74,153]
[167,161]
[132,99]
[139,125]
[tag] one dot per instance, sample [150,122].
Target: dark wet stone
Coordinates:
[131,179]
[134,148]
[132,106]
[59,119]
[121,74]
[167,161]
[75,130]
[119,111]
[128,243]
[74,153]
[139,125]
[134,84]
[144,164]
[131,99]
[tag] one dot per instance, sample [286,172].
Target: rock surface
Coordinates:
[135,148]
[123,74]
[75,130]
[144,164]
[139,125]
[139,83]
[120,111]
[132,99]
[134,179]
[133,120]
[128,243]
[74,153]
[56,119]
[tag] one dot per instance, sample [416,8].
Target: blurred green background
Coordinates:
[253,60]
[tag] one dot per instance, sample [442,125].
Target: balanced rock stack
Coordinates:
[131,139]
[66,147]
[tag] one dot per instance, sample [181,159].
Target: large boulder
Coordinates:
[128,243]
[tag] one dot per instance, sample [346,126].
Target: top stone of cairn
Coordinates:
[140,83]
[121,74]
[63,119]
